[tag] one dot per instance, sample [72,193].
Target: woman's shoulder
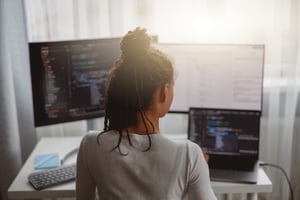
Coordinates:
[183,143]
[90,135]
[190,148]
[94,136]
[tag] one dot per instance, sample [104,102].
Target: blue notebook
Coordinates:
[46,161]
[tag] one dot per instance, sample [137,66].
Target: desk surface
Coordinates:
[21,189]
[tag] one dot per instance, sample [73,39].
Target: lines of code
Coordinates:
[226,132]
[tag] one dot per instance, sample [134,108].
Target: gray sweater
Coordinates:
[170,170]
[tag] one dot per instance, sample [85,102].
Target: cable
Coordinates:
[73,151]
[284,173]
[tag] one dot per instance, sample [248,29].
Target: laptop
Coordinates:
[231,139]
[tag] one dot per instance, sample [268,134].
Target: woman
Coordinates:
[130,159]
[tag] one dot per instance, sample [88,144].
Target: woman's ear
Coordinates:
[164,92]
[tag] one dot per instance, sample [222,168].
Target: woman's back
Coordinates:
[169,170]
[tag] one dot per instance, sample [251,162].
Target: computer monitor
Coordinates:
[68,78]
[216,75]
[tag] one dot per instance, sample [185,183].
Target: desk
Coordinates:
[21,189]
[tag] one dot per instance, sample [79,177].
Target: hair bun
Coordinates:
[135,44]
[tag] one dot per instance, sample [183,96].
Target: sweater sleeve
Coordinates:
[85,186]
[199,186]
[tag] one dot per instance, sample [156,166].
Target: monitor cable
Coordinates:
[285,175]
[69,154]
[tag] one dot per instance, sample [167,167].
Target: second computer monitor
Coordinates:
[217,75]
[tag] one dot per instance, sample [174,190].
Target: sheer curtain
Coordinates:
[274,23]
[17,135]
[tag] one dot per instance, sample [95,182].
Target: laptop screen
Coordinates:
[225,132]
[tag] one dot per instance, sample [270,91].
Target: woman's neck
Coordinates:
[148,123]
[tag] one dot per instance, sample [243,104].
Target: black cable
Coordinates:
[284,173]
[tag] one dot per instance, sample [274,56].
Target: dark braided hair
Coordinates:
[134,78]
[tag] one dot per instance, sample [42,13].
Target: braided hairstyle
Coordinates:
[134,78]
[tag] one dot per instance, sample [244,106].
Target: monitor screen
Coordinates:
[216,75]
[68,78]
[225,131]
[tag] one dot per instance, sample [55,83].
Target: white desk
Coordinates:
[21,189]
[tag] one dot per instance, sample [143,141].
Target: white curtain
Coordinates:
[17,134]
[274,23]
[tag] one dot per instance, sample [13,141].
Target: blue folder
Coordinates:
[46,161]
